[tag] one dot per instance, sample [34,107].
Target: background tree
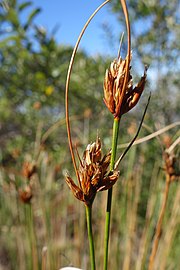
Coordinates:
[33,70]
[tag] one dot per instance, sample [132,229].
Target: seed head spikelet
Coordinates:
[119,94]
[93,174]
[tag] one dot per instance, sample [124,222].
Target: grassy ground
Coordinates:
[50,231]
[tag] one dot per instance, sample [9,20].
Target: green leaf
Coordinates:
[6,40]
[13,17]
[24,5]
[31,17]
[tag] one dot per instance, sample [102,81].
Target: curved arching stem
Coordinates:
[67,88]
[126,15]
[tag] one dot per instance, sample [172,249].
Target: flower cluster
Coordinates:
[93,176]
[28,170]
[172,165]
[113,86]
[25,194]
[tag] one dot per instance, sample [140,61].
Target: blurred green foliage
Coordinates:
[33,73]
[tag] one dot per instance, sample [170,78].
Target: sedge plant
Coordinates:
[172,174]
[119,97]
[94,172]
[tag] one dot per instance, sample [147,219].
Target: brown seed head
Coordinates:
[167,140]
[25,194]
[92,174]
[37,105]
[171,166]
[28,169]
[113,85]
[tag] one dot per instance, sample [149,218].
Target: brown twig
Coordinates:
[157,235]
[176,142]
[171,174]
[152,135]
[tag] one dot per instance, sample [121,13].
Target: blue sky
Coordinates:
[70,16]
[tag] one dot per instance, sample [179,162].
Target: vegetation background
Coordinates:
[51,230]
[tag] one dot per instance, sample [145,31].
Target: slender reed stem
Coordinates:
[32,238]
[90,236]
[109,199]
[159,225]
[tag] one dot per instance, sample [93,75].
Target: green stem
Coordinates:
[90,236]
[32,238]
[109,198]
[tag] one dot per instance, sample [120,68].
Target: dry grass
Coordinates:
[50,232]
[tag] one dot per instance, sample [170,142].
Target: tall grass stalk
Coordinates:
[44,258]
[147,229]
[159,225]
[109,199]
[170,232]
[90,236]
[116,131]
[133,198]
[32,237]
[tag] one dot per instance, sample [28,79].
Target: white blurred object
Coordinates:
[70,268]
